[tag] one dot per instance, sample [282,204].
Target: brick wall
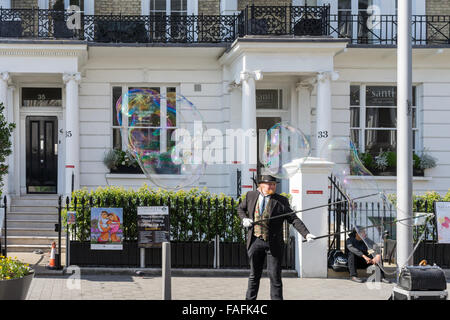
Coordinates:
[24,4]
[125,7]
[209,7]
[243,3]
[438,7]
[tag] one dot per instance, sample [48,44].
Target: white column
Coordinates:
[228,7]
[4,78]
[323,118]
[404,134]
[72,132]
[5,4]
[89,7]
[248,153]
[304,89]
[11,164]
[309,188]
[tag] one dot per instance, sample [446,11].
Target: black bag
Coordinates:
[417,278]
[337,260]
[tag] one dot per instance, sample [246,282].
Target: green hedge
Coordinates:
[194,215]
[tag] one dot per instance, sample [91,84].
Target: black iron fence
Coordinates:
[204,233]
[4,228]
[372,214]
[253,20]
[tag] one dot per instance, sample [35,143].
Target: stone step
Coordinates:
[31,248]
[34,202]
[34,240]
[20,231]
[31,223]
[32,216]
[49,209]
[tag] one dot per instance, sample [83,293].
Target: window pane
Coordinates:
[171,107]
[414,118]
[158,5]
[116,116]
[354,117]
[381,118]
[146,105]
[377,140]
[267,99]
[178,5]
[345,4]
[146,140]
[117,139]
[354,96]
[381,96]
[41,97]
[354,136]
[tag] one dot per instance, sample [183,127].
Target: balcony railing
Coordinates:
[362,29]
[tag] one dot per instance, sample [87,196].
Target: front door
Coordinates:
[263,124]
[42,154]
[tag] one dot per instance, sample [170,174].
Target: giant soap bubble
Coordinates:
[164,133]
[372,211]
[285,149]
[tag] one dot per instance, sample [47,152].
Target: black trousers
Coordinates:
[258,250]
[355,262]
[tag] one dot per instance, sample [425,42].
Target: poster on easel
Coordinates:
[106,228]
[442,211]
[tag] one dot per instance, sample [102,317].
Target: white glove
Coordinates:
[310,237]
[247,222]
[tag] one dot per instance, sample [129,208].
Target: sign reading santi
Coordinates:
[153,226]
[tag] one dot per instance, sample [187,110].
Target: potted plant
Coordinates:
[118,161]
[426,161]
[15,279]
[417,170]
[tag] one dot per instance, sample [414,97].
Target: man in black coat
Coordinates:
[266,237]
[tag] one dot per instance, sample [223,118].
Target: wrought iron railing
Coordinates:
[361,29]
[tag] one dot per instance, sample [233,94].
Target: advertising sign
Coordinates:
[443,221]
[153,226]
[106,229]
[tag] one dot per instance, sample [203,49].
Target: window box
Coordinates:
[126,170]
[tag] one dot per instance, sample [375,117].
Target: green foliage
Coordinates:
[391,157]
[194,215]
[367,160]
[6,130]
[416,161]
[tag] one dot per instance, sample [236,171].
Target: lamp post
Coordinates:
[404,133]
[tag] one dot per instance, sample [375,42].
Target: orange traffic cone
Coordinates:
[52,262]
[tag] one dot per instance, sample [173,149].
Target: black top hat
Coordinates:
[267,178]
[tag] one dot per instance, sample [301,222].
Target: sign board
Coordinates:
[442,210]
[106,228]
[71,217]
[153,226]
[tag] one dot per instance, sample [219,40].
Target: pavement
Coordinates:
[187,284]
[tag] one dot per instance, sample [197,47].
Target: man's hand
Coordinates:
[368,260]
[310,237]
[247,223]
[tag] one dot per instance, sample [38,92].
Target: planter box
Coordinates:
[127,170]
[15,289]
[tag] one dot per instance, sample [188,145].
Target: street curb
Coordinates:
[156,272]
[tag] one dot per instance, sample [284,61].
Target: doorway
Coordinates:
[263,124]
[41,154]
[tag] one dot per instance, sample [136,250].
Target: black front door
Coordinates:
[42,154]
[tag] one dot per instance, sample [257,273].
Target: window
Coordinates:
[373,117]
[41,97]
[152,132]
[345,18]
[269,99]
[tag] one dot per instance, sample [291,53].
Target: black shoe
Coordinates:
[356,279]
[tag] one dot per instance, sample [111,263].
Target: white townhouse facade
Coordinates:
[326,67]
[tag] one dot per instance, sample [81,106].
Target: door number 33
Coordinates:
[323,134]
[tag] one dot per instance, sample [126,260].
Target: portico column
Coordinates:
[4,78]
[324,109]
[304,89]
[72,118]
[248,154]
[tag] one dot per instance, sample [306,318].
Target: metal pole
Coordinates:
[166,272]
[6,227]
[404,132]
[142,257]
[58,258]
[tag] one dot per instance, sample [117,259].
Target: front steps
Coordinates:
[31,223]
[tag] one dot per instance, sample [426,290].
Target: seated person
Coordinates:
[359,257]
